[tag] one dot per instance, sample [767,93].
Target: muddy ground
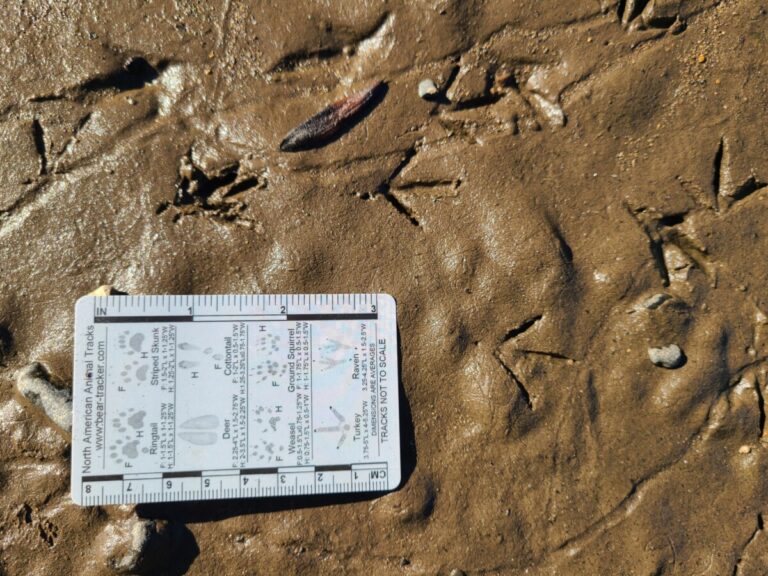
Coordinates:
[588,183]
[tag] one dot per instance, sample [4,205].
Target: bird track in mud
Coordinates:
[216,194]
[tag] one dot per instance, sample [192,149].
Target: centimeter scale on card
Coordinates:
[187,397]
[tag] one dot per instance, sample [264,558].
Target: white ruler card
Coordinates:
[205,397]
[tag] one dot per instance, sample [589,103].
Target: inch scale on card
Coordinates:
[206,397]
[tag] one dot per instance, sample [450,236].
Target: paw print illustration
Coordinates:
[268,451]
[189,347]
[124,447]
[269,369]
[267,344]
[267,417]
[135,371]
[131,343]
[209,352]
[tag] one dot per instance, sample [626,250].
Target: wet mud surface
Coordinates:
[586,189]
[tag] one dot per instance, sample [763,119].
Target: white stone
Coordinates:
[427,88]
[551,110]
[667,356]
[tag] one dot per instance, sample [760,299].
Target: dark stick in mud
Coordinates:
[321,127]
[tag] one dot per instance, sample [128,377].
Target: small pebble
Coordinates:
[502,78]
[551,110]
[33,384]
[667,356]
[427,88]
[745,449]
[141,547]
[472,83]
[702,58]
[457,572]
[530,123]
[677,26]
[140,534]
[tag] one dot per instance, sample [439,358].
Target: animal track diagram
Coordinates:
[268,448]
[134,371]
[130,345]
[334,353]
[268,369]
[187,364]
[267,418]
[200,430]
[332,346]
[268,451]
[267,344]
[342,427]
[127,447]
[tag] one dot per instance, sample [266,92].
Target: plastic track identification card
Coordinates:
[205,397]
